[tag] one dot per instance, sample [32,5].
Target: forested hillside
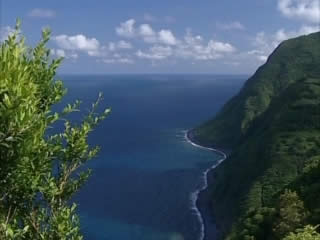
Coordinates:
[291,61]
[269,186]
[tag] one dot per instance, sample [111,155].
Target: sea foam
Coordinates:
[195,195]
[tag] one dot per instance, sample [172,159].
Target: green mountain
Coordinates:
[270,184]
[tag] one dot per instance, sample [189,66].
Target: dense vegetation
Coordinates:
[269,187]
[39,172]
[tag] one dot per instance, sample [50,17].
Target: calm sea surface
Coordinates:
[144,175]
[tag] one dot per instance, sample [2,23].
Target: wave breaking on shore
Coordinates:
[195,195]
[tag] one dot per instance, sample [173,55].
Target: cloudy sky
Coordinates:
[168,36]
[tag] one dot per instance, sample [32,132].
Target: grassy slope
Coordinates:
[273,125]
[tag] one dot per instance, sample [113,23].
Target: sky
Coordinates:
[167,36]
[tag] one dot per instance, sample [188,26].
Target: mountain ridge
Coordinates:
[265,79]
[273,128]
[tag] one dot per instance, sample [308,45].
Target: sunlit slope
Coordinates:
[292,60]
[273,127]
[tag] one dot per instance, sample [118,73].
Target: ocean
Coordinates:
[146,172]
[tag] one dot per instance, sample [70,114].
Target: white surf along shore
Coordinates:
[195,195]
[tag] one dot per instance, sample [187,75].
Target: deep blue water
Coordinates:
[144,175]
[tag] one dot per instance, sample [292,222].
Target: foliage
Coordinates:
[292,214]
[39,173]
[256,224]
[273,126]
[307,233]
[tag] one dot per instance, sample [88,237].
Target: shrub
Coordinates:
[39,173]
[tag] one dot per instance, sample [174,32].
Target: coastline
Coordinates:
[200,199]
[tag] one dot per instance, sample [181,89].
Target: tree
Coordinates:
[292,214]
[307,233]
[39,173]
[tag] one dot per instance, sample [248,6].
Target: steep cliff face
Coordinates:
[273,127]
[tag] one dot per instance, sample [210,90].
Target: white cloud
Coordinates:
[112,46]
[126,29]
[42,13]
[146,30]
[108,61]
[167,37]
[266,43]
[231,26]
[255,52]
[58,52]
[64,54]
[308,10]
[5,32]
[71,45]
[156,53]
[304,30]
[125,60]
[124,45]
[95,53]
[192,40]
[220,47]
[282,35]
[79,43]
[150,36]
[147,33]
[164,45]
[116,58]
[119,45]
[193,47]
[262,58]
